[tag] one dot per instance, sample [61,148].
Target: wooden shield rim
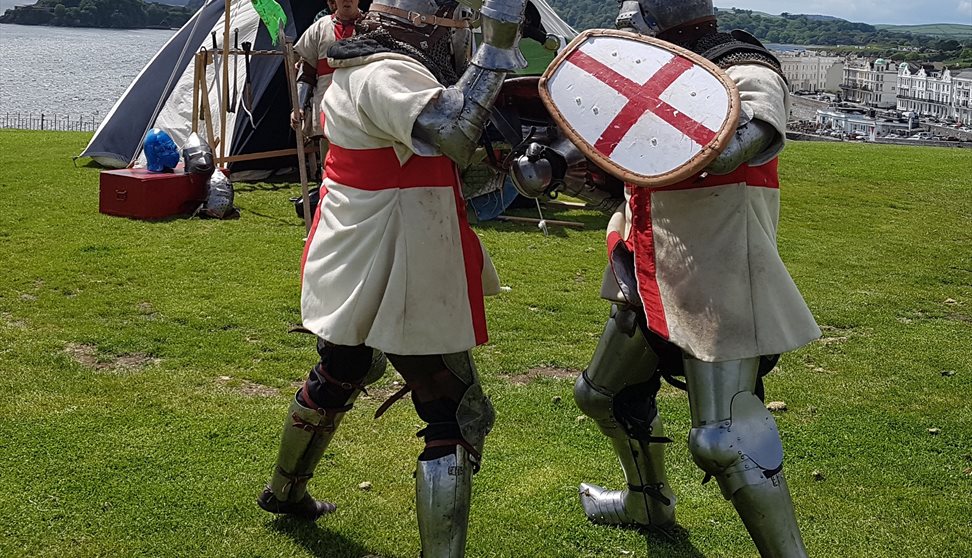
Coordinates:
[687,169]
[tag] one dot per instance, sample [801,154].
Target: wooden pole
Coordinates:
[195,92]
[224,94]
[289,60]
[512,219]
[207,114]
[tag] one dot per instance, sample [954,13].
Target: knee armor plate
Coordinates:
[618,388]
[475,414]
[742,451]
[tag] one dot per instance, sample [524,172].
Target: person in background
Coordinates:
[391,264]
[313,71]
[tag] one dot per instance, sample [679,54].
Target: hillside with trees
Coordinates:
[113,14]
[836,34]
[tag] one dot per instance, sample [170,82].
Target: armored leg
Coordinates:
[618,391]
[448,397]
[734,439]
[313,417]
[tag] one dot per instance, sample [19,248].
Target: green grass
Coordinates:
[957,31]
[164,457]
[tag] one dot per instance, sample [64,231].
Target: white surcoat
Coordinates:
[706,264]
[312,48]
[391,261]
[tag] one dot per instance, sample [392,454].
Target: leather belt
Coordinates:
[419,20]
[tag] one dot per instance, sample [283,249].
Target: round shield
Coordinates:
[647,111]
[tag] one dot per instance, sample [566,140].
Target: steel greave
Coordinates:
[306,434]
[767,512]
[763,504]
[443,488]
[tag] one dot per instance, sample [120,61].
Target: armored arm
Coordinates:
[751,138]
[306,83]
[453,121]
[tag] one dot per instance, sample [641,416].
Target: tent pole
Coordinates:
[207,115]
[289,61]
[195,93]
[224,94]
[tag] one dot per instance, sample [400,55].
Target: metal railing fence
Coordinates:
[55,122]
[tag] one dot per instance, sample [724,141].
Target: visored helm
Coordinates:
[652,17]
[161,153]
[198,155]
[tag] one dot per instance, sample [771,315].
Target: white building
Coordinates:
[944,95]
[872,83]
[962,96]
[861,124]
[808,71]
[928,94]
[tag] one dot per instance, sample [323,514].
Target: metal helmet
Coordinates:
[652,17]
[433,18]
[161,153]
[198,155]
[219,198]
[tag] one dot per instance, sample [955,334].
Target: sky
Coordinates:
[897,12]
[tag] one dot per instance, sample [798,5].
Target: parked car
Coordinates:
[922,136]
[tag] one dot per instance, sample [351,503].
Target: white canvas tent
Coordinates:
[161,95]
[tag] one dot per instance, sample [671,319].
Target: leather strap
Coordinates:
[419,20]
[391,400]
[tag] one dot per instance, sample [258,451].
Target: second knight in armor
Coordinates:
[699,290]
[391,264]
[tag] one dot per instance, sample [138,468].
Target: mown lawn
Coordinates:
[145,369]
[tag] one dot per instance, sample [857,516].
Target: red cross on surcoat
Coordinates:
[641,99]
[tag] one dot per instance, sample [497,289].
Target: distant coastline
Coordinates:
[101,14]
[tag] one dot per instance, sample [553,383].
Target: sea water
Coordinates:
[71,72]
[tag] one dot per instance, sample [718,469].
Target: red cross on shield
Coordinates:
[649,112]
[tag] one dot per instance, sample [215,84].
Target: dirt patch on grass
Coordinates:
[87,356]
[961,318]
[10,321]
[246,387]
[834,335]
[542,372]
[146,310]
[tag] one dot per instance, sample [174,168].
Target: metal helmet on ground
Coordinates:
[161,153]
[219,196]
[656,16]
[198,155]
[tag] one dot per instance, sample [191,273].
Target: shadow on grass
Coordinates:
[670,543]
[318,540]
[272,184]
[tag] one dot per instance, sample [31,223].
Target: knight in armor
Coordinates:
[700,291]
[313,71]
[391,265]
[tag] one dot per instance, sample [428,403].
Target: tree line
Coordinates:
[851,38]
[116,14]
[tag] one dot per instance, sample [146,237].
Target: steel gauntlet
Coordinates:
[501,23]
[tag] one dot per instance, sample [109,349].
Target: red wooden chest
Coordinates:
[140,194]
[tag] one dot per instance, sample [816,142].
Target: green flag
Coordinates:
[272,16]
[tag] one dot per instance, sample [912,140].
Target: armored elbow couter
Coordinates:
[751,139]
[454,120]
